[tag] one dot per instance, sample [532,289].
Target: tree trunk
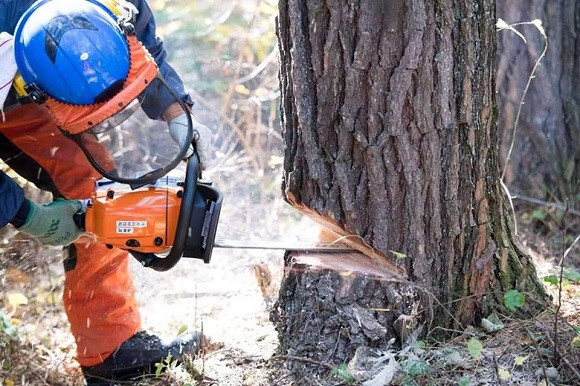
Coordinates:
[389,120]
[545,158]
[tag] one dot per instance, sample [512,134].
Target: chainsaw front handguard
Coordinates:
[197,224]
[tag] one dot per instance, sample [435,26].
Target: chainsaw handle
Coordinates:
[185,212]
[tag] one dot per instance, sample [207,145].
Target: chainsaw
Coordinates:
[174,217]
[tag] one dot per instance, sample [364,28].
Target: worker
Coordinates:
[98,293]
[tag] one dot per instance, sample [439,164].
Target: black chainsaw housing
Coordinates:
[196,226]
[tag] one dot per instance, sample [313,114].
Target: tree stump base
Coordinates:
[331,304]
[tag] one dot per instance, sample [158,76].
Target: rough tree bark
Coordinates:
[545,159]
[389,120]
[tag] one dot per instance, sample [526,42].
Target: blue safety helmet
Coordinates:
[73,51]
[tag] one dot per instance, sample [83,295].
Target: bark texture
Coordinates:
[389,120]
[328,308]
[545,159]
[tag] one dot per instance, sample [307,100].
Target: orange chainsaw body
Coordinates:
[142,220]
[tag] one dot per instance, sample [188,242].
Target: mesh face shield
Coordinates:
[120,141]
[130,147]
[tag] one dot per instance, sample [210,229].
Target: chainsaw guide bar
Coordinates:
[285,246]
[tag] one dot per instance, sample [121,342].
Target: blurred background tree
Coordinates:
[544,163]
[546,154]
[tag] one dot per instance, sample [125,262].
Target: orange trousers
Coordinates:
[99,296]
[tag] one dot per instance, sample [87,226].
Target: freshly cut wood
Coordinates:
[331,232]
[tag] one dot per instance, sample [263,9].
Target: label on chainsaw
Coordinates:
[127,227]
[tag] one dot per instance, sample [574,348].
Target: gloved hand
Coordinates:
[201,135]
[53,223]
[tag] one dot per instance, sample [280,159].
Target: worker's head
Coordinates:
[74,51]
[83,61]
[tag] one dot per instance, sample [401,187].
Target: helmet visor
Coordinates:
[129,147]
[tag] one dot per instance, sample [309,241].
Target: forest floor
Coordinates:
[230,300]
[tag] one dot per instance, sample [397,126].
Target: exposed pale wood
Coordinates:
[333,232]
[347,264]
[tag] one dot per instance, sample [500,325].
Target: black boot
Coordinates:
[138,355]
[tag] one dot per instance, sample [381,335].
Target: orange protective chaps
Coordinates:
[98,295]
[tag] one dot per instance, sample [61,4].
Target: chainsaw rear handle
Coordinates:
[166,263]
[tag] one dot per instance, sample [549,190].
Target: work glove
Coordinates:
[53,223]
[201,136]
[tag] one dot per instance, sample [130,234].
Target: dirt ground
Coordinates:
[228,299]
[224,299]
